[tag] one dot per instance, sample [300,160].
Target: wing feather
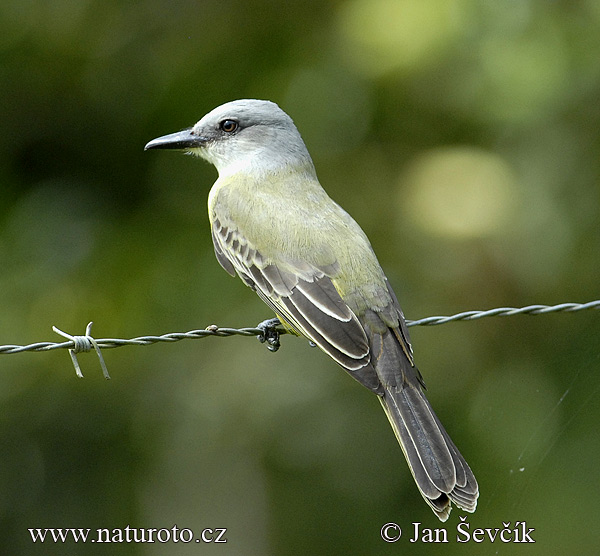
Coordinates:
[327,299]
[347,336]
[304,296]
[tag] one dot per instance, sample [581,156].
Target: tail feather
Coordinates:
[425,434]
[441,473]
[439,470]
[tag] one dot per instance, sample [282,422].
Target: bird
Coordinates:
[275,227]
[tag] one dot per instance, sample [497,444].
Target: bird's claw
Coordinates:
[270,334]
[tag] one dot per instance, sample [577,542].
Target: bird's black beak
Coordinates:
[185,139]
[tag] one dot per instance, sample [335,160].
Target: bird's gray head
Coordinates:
[243,135]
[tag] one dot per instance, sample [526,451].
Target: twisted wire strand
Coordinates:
[85,343]
[507,312]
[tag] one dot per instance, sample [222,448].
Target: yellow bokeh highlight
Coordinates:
[461,192]
[380,36]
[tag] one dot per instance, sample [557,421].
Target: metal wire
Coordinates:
[77,344]
[507,312]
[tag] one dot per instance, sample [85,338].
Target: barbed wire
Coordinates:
[78,344]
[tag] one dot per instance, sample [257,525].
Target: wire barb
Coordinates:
[77,344]
[83,344]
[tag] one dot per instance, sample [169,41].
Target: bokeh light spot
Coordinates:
[459,192]
[398,35]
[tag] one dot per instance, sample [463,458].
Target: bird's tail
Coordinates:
[441,473]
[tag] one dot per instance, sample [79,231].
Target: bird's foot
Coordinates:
[270,334]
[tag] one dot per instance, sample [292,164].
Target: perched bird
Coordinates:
[275,226]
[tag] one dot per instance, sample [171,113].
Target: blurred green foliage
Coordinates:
[463,135]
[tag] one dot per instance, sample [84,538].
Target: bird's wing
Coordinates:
[304,296]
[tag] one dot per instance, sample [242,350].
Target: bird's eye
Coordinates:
[229,126]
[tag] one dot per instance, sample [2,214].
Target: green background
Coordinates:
[463,136]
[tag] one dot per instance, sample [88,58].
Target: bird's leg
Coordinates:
[270,334]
